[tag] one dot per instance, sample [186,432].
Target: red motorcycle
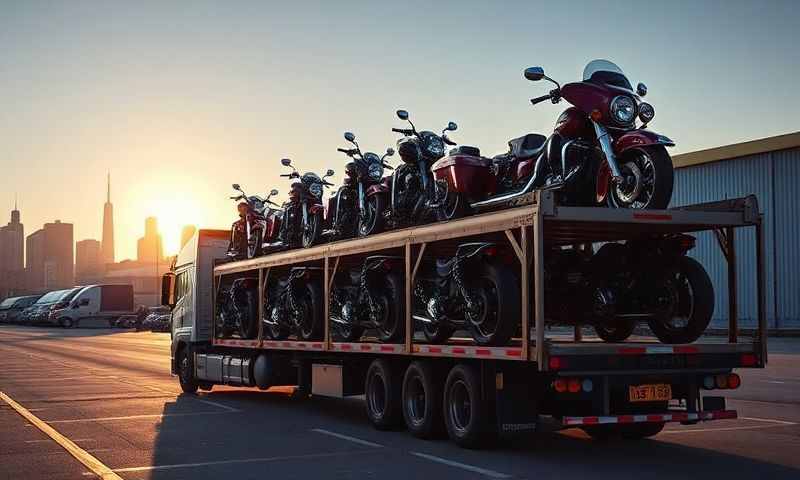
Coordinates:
[596,155]
[258,225]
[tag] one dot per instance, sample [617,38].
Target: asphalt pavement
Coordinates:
[110,393]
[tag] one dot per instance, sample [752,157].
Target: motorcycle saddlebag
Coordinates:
[468,174]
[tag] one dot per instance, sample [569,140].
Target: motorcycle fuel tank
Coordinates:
[572,123]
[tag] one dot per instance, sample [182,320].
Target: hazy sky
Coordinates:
[180,99]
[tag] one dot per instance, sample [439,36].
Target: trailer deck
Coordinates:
[525,229]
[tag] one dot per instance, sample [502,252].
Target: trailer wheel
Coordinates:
[466,415]
[422,400]
[186,371]
[383,395]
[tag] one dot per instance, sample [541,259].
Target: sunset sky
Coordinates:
[180,99]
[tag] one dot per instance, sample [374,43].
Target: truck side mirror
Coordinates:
[168,290]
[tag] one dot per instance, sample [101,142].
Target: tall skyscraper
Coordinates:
[107,244]
[149,248]
[50,257]
[12,254]
[88,261]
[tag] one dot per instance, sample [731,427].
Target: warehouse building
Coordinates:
[770,169]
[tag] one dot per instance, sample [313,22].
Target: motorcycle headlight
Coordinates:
[623,109]
[375,171]
[435,146]
[646,112]
[316,189]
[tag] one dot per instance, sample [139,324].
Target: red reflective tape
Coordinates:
[652,216]
[632,350]
[482,351]
[655,418]
[724,414]
[301,345]
[459,350]
[680,417]
[514,352]
[626,419]
[317,345]
[434,349]
[387,348]
[346,346]
[590,420]
[366,347]
[685,349]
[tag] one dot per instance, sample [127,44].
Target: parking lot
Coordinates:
[111,394]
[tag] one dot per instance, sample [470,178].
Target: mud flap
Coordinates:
[517,410]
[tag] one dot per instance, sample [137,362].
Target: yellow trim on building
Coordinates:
[728,152]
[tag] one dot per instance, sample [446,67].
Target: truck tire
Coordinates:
[422,400]
[382,395]
[186,371]
[466,414]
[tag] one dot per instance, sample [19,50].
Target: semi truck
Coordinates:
[544,379]
[104,303]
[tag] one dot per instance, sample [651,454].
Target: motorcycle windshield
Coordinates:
[605,72]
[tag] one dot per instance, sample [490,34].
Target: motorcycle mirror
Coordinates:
[389,151]
[236,187]
[452,126]
[329,173]
[534,73]
[402,115]
[273,192]
[286,162]
[641,89]
[349,137]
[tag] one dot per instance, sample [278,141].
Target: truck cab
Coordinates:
[188,290]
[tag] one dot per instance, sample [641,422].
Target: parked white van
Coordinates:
[96,302]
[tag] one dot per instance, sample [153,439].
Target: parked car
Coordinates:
[11,308]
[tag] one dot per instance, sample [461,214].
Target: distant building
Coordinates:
[187,233]
[144,276]
[12,255]
[49,263]
[149,247]
[107,245]
[89,264]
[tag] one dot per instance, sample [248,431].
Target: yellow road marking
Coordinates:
[92,463]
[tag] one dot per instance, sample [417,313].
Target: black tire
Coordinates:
[350,332]
[66,322]
[311,232]
[186,371]
[382,391]
[311,325]
[648,161]
[628,431]
[248,324]
[466,414]
[497,301]
[256,248]
[698,305]
[437,332]
[278,331]
[392,327]
[370,221]
[617,331]
[422,400]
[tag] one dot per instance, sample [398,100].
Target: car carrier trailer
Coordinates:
[548,379]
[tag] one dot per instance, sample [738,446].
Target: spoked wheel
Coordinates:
[647,180]
[276,329]
[311,230]
[255,244]
[248,320]
[348,331]
[494,307]
[370,220]
[685,303]
[310,324]
[391,323]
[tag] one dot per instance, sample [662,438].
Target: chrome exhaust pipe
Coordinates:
[422,319]
[490,202]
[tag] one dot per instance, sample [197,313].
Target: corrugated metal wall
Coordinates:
[772,177]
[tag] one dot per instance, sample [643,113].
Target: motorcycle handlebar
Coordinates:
[541,99]
[287,175]
[343,150]
[404,131]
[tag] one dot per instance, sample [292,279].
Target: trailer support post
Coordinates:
[327,306]
[760,278]
[260,297]
[409,283]
[733,288]
[538,285]
[524,264]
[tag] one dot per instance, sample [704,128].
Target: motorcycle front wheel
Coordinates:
[255,246]
[370,221]
[495,311]
[311,231]
[648,179]
[391,325]
[685,303]
[310,324]
[248,321]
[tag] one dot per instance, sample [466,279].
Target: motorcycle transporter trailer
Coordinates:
[544,381]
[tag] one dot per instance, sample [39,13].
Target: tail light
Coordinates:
[724,381]
[734,381]
[560,385]
[748,360]
[572,385]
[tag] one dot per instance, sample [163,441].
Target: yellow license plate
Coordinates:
[650,393]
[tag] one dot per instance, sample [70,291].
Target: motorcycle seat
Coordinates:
[466,150]
[527,146]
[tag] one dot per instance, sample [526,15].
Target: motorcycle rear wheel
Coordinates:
[311,325]
[650,169]
[248,323]
[496,293]
[391,327]
[370,221]
[690,294]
